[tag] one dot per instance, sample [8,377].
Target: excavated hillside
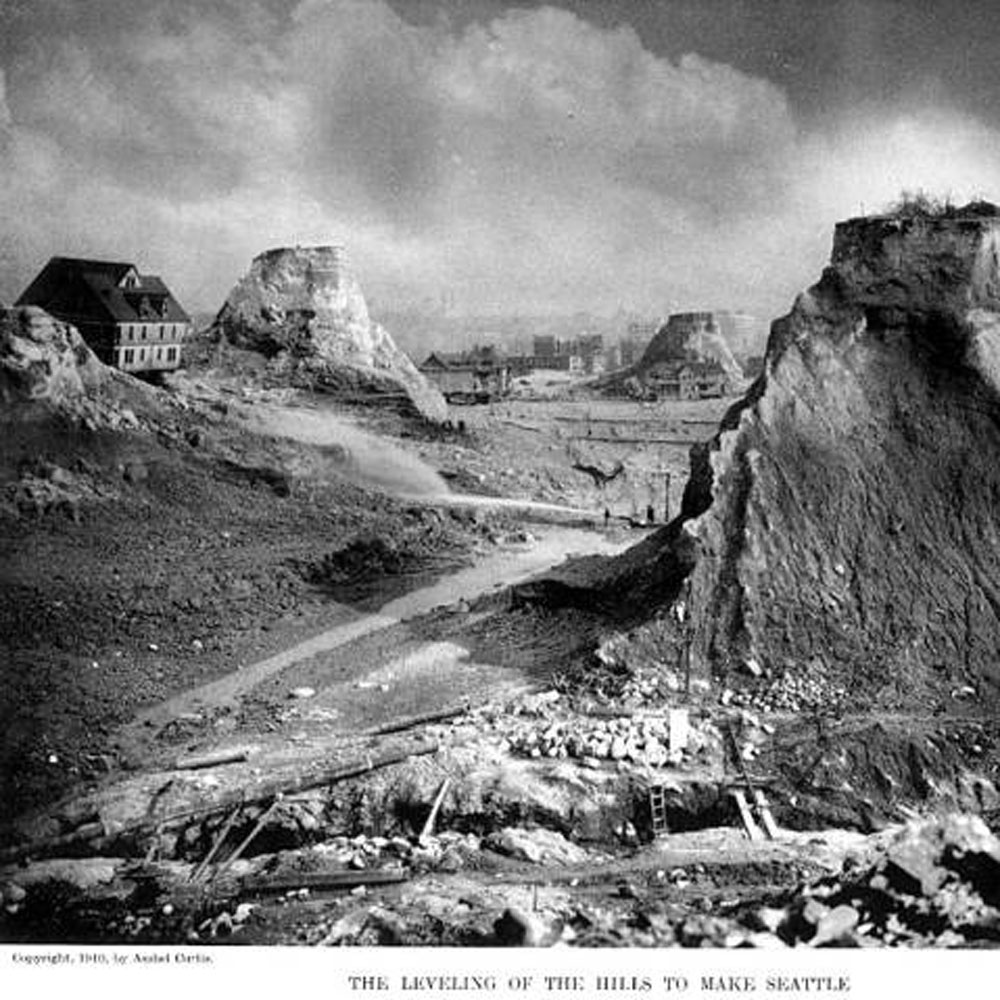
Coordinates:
[692,337]
[845,518]
[843,524]
[304,309]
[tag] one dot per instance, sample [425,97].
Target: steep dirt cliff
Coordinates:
[845,519]
[302,307]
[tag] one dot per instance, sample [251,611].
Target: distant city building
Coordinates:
[129,320]
[545,346]
[589,343]
[520,364]
[475,376]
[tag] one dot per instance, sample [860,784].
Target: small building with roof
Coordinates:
[685,379]
[475,376]
[130,320]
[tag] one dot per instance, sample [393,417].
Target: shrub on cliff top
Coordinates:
[920,204]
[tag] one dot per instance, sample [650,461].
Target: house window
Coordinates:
[129,356]
[159,353]
[142,354]
[171,354]
[145,330]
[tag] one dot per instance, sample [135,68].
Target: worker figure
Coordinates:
[650,514]
[607,518]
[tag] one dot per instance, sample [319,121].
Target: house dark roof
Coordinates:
[478,358]
[439,360]
[98,291]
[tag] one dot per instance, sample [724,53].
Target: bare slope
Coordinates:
[846,514]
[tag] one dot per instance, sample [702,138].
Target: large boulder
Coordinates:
[44,359]
[47,369]
[846,516]
[302,307]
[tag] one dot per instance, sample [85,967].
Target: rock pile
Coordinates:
[545,725]
[937,884]
[303,308]
[44,486]
[792,691]
[642,741]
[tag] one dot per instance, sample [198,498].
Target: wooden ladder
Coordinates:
[658,809]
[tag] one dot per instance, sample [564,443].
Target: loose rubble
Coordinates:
[937,884]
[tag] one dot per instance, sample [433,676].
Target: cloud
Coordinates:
[532,162]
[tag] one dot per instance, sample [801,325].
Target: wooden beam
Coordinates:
[324,880]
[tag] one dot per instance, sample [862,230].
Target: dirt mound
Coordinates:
[42,358]
[47,369]
[844,519]
[303,308]
[692,337]
[423,542]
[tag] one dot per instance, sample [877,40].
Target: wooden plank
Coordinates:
[749,824]
[241,796]
[679,730]
[764,812]
[412,721]
[428,829]
[325,880]
[213,759]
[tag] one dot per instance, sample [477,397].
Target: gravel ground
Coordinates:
[168,568]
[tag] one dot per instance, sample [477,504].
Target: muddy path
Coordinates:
[364,667]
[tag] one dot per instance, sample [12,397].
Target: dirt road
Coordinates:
[371,653]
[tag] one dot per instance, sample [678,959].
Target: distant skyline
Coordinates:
[514,156]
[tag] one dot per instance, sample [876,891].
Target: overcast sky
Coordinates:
[654,154]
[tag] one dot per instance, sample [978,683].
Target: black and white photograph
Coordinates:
[498,474]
